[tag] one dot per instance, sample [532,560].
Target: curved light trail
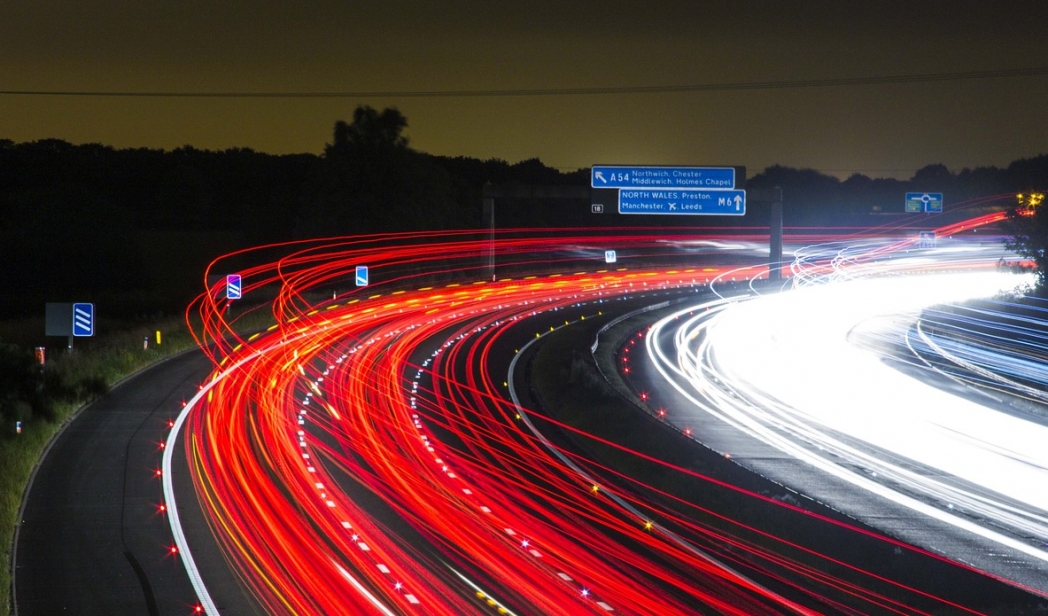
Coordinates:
[814,373]
[360,457]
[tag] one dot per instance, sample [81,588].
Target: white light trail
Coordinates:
[796,370]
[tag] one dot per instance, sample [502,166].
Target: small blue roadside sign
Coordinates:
[234,287]
[610,256]
[683,202]
[930,203]
[362,275]
[614,176]
[83,320]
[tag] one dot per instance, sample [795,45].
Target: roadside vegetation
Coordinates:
[44,399]
[1028,226]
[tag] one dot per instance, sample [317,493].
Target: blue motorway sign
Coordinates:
[234,287]
[362,275]
[677,202]
[83,320]
[924,202]
[613,176]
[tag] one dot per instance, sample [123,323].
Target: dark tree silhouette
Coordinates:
[21,386]
[370,181]
[1029,237]
[371,131]
[136,226]
[932,177]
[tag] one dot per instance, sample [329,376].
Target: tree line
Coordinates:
[75,219]
[133,229]
[815,199]
[84,221]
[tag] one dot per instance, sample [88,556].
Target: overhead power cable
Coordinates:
[595,91]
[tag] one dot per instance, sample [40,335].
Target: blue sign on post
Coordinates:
[362,275]
[234,287]
[83,320]
[614,176]
[924,202]
[683,202]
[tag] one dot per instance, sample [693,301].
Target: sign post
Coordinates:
[83,320]
[711,191]
[929,203]
[676,202]
[69,320]
[616,176]
[234,287]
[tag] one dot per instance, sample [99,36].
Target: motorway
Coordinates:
[293,416]
[377,451]
[821,389]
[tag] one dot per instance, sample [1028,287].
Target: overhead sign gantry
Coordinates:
[672,190]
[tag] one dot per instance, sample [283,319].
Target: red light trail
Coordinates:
[382,398]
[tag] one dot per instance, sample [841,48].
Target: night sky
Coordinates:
[882,130]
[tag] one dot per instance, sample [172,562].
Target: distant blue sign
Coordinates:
[610,256]
[924,202]
[608,176]
[83,320]
[234,287]
[362,275]
[683,202]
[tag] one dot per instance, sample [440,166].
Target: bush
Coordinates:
[21,386]
[43,399]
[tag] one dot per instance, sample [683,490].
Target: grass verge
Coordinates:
[104,360]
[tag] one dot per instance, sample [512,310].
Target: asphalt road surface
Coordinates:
[92,538]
